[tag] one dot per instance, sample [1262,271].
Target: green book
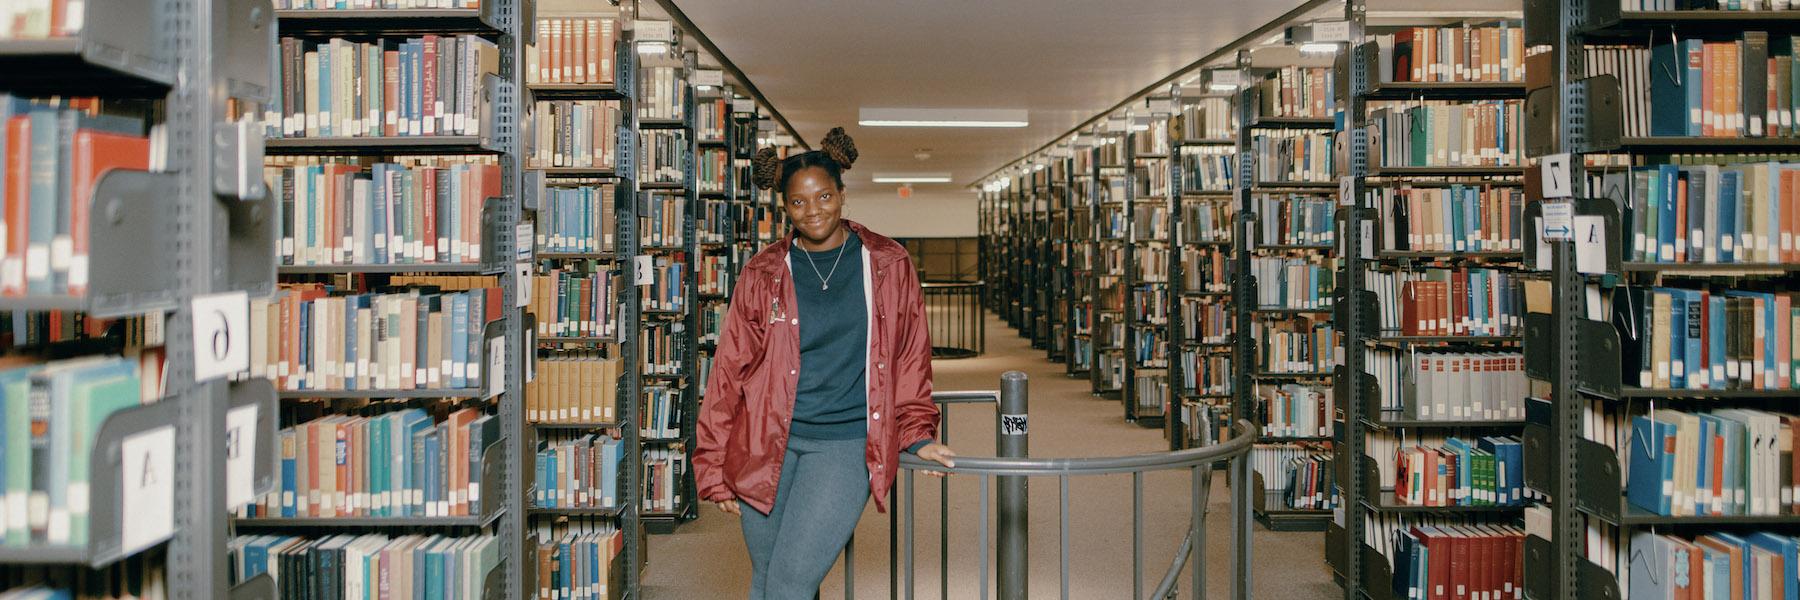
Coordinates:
[15,386]
[91,401]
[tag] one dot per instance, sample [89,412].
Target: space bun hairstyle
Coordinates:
[835,155]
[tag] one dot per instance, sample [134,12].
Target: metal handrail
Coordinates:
[1243,436]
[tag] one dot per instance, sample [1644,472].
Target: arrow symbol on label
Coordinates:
[1563,230]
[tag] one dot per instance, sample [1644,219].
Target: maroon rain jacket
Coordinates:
[749,402]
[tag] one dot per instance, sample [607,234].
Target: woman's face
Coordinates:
[814,204]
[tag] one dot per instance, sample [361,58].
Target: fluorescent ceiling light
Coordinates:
[1318,48]
[941,117]
[912,178]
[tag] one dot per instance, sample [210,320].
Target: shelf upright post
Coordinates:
[1128,286]
[1351,453]
[1070,238]
[509,115]
[626,201]
[690,353]
[1094,346]
[1174,322]
[1244,355]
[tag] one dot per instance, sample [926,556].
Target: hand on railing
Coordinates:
[940,454]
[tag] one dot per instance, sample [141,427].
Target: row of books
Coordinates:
[35,329]
[1150,351]
[420,86]
[712,322]
[1297,346]
[403,463]
[1203,221]
[575,386]
[576,303]
[369,565]
[53,412]
[138,577]
[1154,141]
[1294,410]
[1205,373]
[411,339]
[661,217]
[1205,321]
[664,469]
[1298,92]
[1740,87]
[1297,156]
[1706,339]
[712,119]
[52,155]
[574,133]
[573,50]
[1296,220]
[1208,168]
[1153,264]
[1449,302]
[660,345]
[715,274]
[712,170]
[1307,482]
[1755,565]
[1150,391]
[666,291]
[1441,385]
[664,153]
[578,471]
[41,19]
[1205,119]
[1206,269]
[1206,424]
[1487,472]
[1465,53]
[1109,366]
[662,412]
[662,93]
[1482,560]
[576,220]
[1722,462]
[1150,179]
[1709,213]
[1457,218]
[338,213]
[1732,5]
[575,559]
[1482,133]
[1293,282]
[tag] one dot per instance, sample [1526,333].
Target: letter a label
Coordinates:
[147,489]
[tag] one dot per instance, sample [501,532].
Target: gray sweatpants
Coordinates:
[824,487]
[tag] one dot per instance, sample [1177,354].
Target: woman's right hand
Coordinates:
[728,506]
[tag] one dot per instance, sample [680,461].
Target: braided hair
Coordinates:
[835,155]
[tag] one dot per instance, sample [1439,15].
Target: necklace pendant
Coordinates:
[824,286]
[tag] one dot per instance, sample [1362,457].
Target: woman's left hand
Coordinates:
[940,454]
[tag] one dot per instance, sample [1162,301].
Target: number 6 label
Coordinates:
[221,330]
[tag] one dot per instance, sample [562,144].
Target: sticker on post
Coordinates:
[1590,245]
[644,270]
[496,375]
[221,335]
[524,238]
[240,456]
[1346,191]
[1559,221]
[1554,171]
[522,275]
[1013,424]
[146,489]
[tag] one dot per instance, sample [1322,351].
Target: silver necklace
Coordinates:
[825,279]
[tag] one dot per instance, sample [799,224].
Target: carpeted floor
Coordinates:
[705,559]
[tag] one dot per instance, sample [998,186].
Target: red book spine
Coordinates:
[18,205]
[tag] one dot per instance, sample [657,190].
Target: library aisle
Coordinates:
[1066,421]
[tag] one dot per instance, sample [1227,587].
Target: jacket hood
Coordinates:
[882,250]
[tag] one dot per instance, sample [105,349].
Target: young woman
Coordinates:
[822,376]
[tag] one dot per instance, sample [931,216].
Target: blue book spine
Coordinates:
[417,469]
[1697,372]
[1715,306]
[306,344]
[1730,194]
[434,575]
[434,449]
[1703,475]
[1768,341]
[1677,336]
[1671,181]
[288,483]
[1644,488]
[378,225]
[378,428]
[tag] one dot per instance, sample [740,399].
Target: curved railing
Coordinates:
[1009,474]
[953,312]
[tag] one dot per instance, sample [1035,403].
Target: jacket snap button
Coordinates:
[793,372]
[876,416]
[881,366]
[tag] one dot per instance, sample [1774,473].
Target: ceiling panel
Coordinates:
[818,61]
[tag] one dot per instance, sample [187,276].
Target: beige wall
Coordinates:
[947,213]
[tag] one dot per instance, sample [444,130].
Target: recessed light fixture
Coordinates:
[942,117]
[912,178]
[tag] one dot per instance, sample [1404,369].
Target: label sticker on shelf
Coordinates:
[524,240]
[643,270]
[1554,173]
[1346,191]
[712,77]
[240,456]
[146,489]
[1558,223]
[1331,31]
[1368,239]
[221,334]
[743,105]
[655,31]
[496,375]
[1160,106]
[522,277]
[1590,244]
